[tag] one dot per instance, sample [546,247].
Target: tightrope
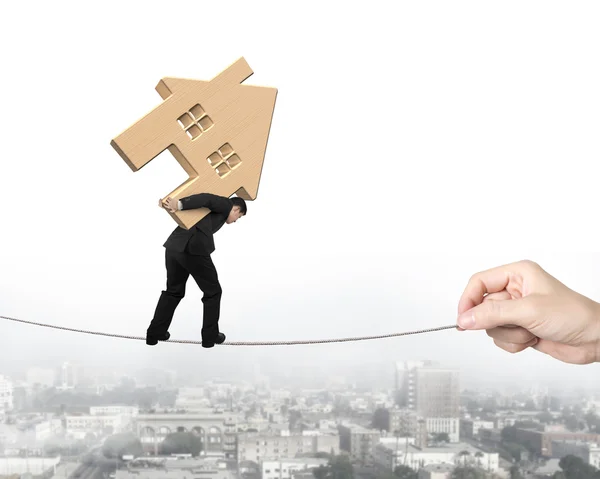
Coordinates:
[237,343]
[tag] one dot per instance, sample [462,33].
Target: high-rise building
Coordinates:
[437,392]
[432,392]
[406,382]
[66,376]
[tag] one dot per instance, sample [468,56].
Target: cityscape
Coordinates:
[75,422]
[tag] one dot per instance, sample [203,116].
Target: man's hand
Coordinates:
[170,205]
[520,305]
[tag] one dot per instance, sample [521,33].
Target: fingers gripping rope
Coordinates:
[238,343]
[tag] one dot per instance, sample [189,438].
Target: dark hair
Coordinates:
[241,203]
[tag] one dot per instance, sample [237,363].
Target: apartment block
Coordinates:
[262,447]
[359,442]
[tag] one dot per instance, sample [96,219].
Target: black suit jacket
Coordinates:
[199,238]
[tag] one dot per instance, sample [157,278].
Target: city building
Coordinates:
[33,431]
[436,471]
[264,447]
[388,457]
[433,393]
[448,425]
[217,431]
[67,377]
[469,428]
[542,442]
[130,411]
[78,426]
[178,467]
[589,452]
[36,466]
[359,441]
[286,469]
[193,399]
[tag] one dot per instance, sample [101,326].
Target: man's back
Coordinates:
[199,238]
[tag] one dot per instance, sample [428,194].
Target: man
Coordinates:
[187,252]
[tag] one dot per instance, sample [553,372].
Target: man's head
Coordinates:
[239,209]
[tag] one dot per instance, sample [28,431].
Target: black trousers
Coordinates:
[179,268]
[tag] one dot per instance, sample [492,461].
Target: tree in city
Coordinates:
[104,466]
[405,472]
[181,442]
[381,419]
[571,423]
[473,407]
[467,472]
[441,437]
[509,434]
[295,418]
[338,467]
[574,467]
[514,449]
[545,417]
[89,439]
[515,472]
[464,455]
[531,450]
[119,445]
[146,397]
[593,421]
[64,447]
[489,406]
[321,472]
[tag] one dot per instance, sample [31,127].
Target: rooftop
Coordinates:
[439,467]
[453,448]
[298,460]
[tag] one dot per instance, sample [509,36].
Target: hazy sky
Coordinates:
[413,144]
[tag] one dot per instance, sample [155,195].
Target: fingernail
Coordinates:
[466,320]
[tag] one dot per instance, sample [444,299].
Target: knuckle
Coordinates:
[474,277]
[530,264]
[494,308]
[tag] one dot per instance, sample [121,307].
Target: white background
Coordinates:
[413,144]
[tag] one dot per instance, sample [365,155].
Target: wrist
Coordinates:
[595,329]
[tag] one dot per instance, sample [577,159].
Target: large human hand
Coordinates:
[520,305]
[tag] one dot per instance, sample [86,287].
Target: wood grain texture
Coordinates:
[217,130]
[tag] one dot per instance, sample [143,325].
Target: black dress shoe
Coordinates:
[220,340]
[151,340]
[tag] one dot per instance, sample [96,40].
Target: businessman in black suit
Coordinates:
[187,252]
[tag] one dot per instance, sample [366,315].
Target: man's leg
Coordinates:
[177,276]
[204,273]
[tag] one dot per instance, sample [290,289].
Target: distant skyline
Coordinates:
[367,375]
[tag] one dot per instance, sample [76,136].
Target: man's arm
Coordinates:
[218,204]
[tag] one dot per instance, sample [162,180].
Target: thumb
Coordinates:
[491,314]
